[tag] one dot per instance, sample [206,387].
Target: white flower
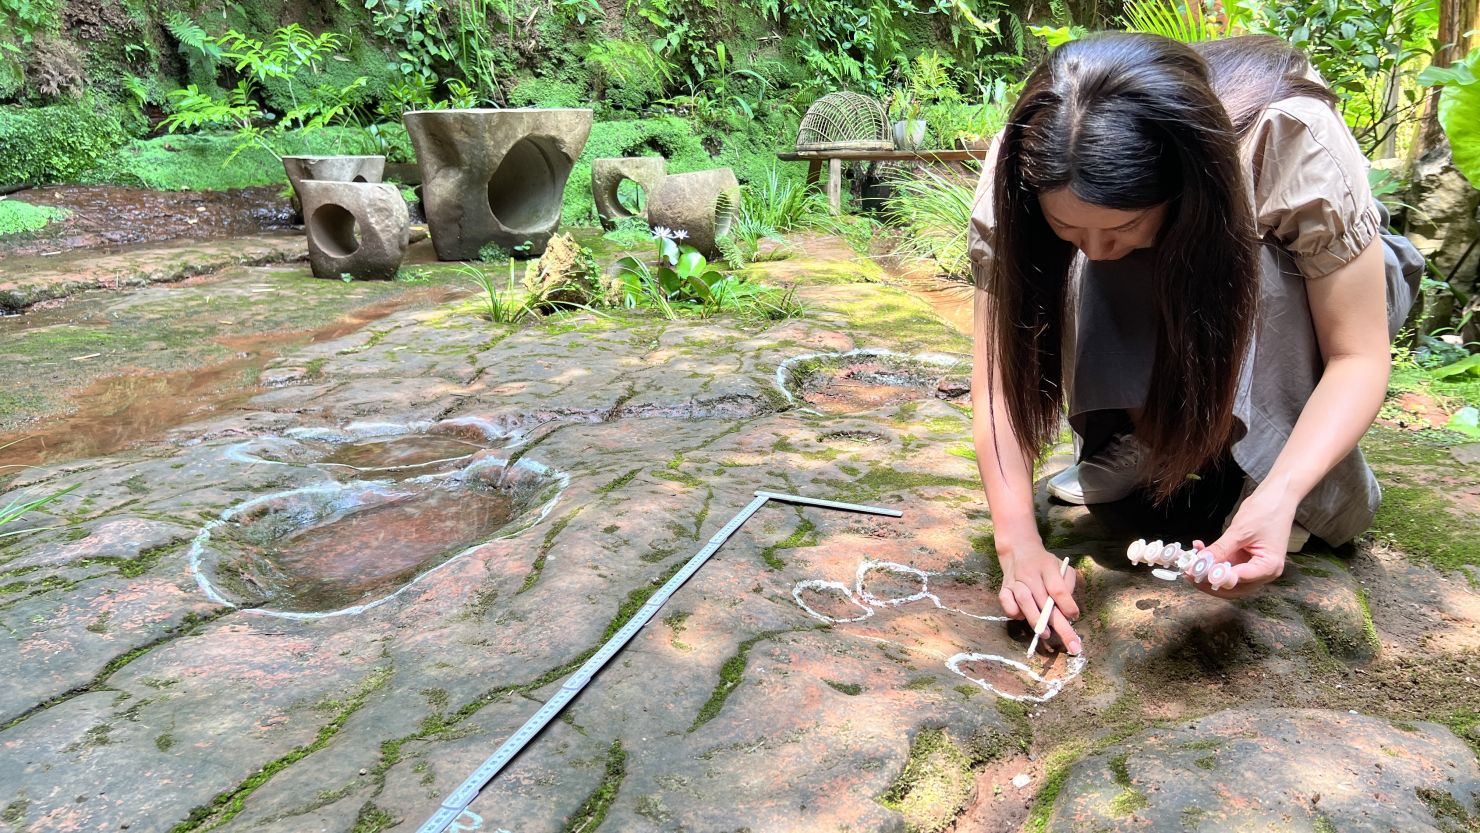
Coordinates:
[680,234]
[663,232]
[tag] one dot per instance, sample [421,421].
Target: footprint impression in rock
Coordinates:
[897,605]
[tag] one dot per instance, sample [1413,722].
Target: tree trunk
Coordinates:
[1456,17]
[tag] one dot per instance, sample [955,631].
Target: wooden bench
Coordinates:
[836,158]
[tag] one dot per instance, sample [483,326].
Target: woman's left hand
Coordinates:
[1255,543]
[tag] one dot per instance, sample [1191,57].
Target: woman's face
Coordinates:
[1101,233]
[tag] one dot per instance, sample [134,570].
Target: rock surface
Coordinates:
[823,671]
[1293,770]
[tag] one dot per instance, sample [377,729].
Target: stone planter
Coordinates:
[608,174]
[693,203]
[495,176]
[908,135]
[359,229]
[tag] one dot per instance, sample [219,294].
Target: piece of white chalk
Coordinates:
[1166,575]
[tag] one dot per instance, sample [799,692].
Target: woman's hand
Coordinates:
[1030,576]
[1254,544]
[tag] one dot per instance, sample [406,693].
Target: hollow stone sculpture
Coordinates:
[495,176]
[703,204]
[607,174]
[336,168]
[356,228]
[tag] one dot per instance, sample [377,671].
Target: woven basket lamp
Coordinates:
[844,121]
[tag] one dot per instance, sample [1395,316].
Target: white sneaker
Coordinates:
[1108,476]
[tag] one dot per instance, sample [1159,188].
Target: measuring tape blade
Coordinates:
[457,803]
[832,504]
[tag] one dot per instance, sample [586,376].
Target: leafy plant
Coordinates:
[1368,51]
[782,204]
[290,51]
[18,506]
[1187,22]
[432,34]
[935,211]
[682,279]
[1459,111]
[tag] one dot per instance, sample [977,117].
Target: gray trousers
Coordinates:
[1112,344]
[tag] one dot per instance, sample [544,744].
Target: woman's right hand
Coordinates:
[1030,576]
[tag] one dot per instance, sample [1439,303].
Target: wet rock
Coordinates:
[358,229]
[1305,769]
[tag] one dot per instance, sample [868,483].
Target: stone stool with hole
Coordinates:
[607,175]
[495,176]
[334,168]
[703,204]
[358,229]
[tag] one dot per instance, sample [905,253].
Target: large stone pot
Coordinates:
[495,176]
[359,229]
[703,204]
[608,174]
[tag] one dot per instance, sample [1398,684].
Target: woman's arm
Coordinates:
[1349,310]
[1030,573]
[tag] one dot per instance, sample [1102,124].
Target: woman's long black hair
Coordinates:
[1132,121]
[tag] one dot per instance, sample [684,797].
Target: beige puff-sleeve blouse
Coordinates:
[1310,192]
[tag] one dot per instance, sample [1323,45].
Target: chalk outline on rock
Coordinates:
[867,601]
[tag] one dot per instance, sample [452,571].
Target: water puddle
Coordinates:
[863,380]
[351,545]
[114,412]
[106,216]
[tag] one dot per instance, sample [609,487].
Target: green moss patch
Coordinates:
[197,161]
[17,217]
[935,785]
[592,811]
[1418,517]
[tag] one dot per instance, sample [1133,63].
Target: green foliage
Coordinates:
[782,204]
[1186,22]
[292,52]
[430,37]
[540,92]
[682,280]
[504,302]
[1459,111]
[19,506]
[934,209]
[17,217]
[1368,51]
[628,74]
[196,161]
[58,143]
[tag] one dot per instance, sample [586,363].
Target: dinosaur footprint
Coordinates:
[897,605]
